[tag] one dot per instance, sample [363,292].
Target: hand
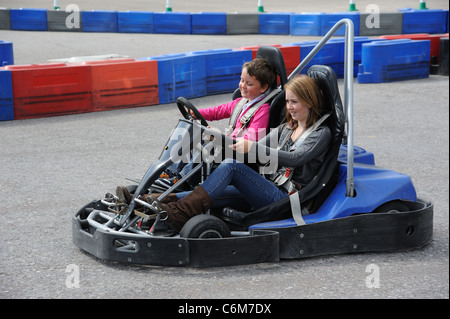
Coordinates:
[192,114]
[242,146]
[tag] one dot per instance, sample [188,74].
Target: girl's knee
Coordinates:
[228,161]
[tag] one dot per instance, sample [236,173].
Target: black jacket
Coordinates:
[305,159]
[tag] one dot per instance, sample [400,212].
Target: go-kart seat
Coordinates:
[275,58]
[312,195]
[326,179]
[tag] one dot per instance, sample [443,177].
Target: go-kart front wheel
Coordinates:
[205,226]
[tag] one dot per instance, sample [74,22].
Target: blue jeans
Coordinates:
[234,184]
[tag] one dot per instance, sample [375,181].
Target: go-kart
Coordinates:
[350,206]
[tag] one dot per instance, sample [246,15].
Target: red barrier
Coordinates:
[434,42]
[122,83]
[50,89]
[291,55]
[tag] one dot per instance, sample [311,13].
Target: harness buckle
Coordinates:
[288,172]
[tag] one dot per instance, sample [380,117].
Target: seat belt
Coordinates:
[294,198]
[234,116]
[296,209]
[250,112]
[283,179]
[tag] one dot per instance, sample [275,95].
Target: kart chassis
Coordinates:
[100,231]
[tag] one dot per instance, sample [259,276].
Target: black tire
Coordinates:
[394,206]
[205,226]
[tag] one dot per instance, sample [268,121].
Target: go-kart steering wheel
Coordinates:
[186,107]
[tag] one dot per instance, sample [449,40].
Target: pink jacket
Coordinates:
[256,128]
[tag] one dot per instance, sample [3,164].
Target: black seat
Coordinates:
[275,58]
[313,194]
[326,78]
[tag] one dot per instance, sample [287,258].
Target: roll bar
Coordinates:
[348,90]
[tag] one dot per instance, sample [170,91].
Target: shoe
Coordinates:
[233,214]
[234,219]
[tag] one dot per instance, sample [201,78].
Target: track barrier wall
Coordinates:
[394,60]
[405,21]
[123,83]
[180,74]
[50,89]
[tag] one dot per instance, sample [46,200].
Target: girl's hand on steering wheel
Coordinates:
[192,114]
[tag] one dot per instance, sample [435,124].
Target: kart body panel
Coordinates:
[266,242]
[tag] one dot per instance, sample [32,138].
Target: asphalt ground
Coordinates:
[50,167]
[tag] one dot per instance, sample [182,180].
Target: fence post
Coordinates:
[260,6]
[422,5]
[352,6]
[168,6]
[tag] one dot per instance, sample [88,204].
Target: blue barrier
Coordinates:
[6,96]
[274,23]
[99,21]
[6,53]
[28,19]
[425,21]
[327,55]
[172,22]
[209,23]
[223,68]
[180,75]
[357,48]
[330,19]
[394,60]
[306,23]
[135,22]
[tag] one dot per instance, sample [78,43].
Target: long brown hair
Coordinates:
[305,89]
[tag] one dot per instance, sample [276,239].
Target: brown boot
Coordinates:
[179,212]
[123,194]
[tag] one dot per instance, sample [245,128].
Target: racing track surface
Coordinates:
[50,167]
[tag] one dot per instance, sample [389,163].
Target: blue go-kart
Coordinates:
[350,206]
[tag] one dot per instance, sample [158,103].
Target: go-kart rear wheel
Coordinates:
[394,206]
[205,226]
